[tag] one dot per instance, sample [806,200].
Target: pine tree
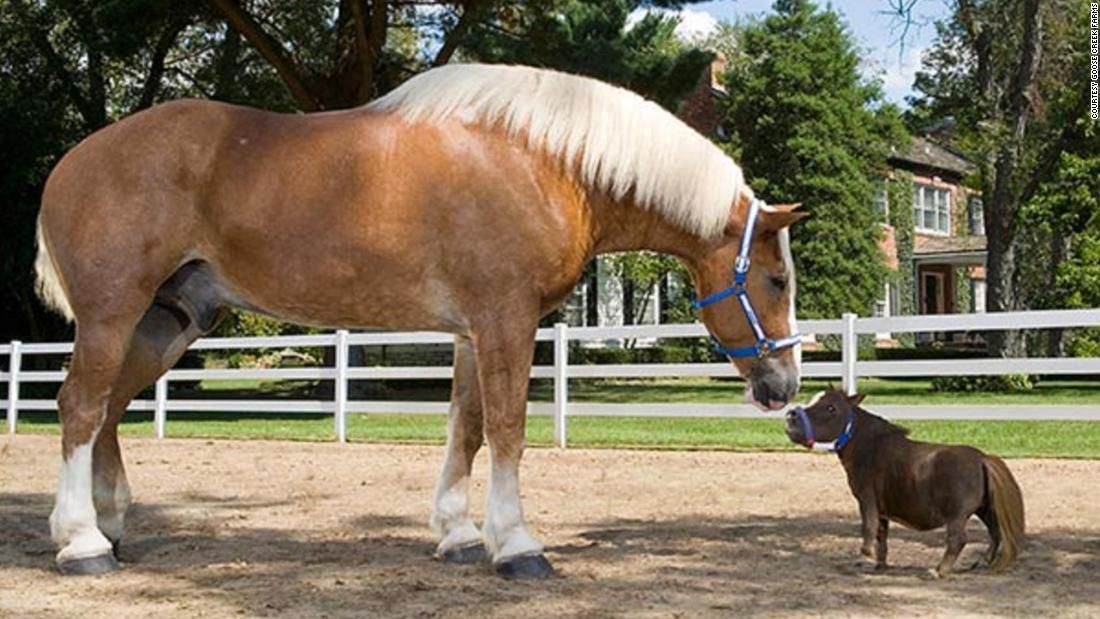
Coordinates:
[807,128]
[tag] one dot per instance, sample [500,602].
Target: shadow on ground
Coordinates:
[200,551]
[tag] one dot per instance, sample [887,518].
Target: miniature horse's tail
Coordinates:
[1007,504]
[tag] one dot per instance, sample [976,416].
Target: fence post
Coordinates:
[15,360]
[160,404]
[561,383]
[849,351]
[340,389]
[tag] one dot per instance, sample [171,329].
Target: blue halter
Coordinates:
[834,446]
[764,344]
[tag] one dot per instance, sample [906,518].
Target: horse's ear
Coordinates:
[856,400]
[736,222]
[780,216]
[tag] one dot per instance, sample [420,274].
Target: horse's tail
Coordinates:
[1007,504]
[49,287]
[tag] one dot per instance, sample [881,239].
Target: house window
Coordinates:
[881,202]
[931,209]
[977,216]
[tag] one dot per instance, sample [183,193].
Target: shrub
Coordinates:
[984,384]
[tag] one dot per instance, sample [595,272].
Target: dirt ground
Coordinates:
[268,529]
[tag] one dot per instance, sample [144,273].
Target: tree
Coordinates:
[807,128]
[334,54]
[1013,73]
[1064,220]
[592,38]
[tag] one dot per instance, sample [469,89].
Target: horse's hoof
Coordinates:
[89,566]
[466,555]
[525,567]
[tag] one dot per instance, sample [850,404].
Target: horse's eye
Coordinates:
[780,283]
[832,409]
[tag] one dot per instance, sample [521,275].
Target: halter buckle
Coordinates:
[763,348]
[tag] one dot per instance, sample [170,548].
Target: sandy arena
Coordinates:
[267,529]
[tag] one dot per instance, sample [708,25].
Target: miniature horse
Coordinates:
[468,200]
[920,485]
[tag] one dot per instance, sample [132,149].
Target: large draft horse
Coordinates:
[468,201]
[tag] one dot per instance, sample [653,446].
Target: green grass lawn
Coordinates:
[878,391]
[705,390]
[1009,438]
[1061,439]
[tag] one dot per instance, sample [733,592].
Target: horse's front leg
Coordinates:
[460,540]
[870,528]
[504,355]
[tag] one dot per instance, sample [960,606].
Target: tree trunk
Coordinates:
[1001,293]
[1059,251]
[1001,187]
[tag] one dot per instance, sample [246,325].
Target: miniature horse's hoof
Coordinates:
[525,567]
[89,566]
[466,555]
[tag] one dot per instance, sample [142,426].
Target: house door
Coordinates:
[933,293]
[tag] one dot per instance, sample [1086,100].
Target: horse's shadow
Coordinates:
[751,565]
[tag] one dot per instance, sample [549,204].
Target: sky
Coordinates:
[872,29]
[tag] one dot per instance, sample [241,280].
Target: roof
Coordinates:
[936,245]
[926,153]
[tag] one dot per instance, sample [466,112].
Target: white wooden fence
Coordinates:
[848,370]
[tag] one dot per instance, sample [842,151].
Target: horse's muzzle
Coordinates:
[772,384]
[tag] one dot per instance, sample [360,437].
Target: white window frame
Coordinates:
[881,203]
[940,208]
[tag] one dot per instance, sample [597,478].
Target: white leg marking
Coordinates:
[450,517]
[73,521]
[506,534]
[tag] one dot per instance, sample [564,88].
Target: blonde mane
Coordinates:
[620,142]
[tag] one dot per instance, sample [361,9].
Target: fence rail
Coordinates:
[849,369]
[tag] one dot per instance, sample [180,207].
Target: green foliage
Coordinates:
[645,269]
[591,38]
[808,129]
[899,192]
[663,353]
[1004,383]
[248,324]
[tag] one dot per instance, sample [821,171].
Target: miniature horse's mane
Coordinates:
[879,425]
[620,143]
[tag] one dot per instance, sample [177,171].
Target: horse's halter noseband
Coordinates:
[833,446]
[764,345]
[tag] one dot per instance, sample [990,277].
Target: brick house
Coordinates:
[947,257]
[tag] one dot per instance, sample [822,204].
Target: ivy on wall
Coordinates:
[899,191]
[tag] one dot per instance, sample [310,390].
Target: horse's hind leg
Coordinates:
[460,540]
[160,340]
[989,519]
[98,356]
[956,540]
[123,344]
